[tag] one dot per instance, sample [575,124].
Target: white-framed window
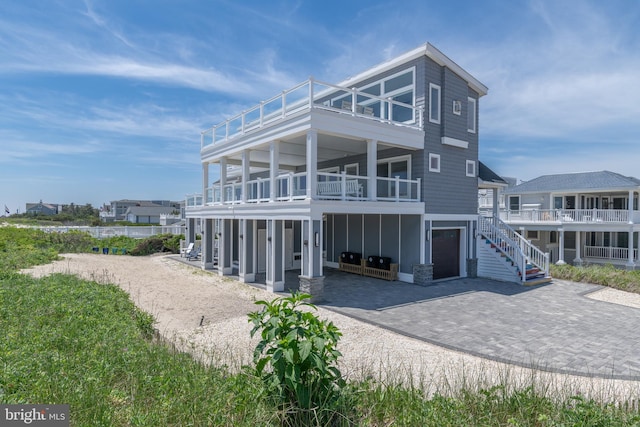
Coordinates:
[333,170]
[514,203]
[399,87]
[471,115]
[434,103]
[434,162]
[471,168]
[533,235]
[390,168]
[352,169]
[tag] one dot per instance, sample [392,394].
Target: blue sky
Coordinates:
[105,100]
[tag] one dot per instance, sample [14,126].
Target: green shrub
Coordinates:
[300,353]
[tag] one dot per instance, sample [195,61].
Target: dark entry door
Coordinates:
[446,253]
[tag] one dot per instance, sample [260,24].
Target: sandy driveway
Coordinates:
[179,296]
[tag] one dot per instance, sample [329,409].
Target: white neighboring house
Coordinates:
[588,217]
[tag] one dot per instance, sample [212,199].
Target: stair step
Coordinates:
[538,281]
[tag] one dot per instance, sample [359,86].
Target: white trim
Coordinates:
[433,156]
[472,101]
[428,50]
[470,164]
[431,101]
[350,165]
[454,142]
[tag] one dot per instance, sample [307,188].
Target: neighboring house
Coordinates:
[382,164]
[42,208]
[116,210]
[589,217]
[147,214]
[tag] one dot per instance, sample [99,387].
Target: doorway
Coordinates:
[445,245]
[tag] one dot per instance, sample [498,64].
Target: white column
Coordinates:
[312,163]
[372,168]
[496,203]
[223,177]
[246,172]
[630,207]
[578,260]
[205,180]
[630,262]
[560,248]
[274,166]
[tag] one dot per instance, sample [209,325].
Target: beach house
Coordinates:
[587,217]
[378,173]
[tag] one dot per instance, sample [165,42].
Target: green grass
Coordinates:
[606,275]
[83,343]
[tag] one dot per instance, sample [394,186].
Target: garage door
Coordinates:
[446,253]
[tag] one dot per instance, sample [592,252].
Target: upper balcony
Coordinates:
[315,96]
[571,216]
[293,186]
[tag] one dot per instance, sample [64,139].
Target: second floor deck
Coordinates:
[570,216]
[294,186]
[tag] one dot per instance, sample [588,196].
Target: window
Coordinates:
[532,235]
[434,162]
[557,202]
[352,169]
[434,103]
[471,168]
[399,87]
[514,203]
[390,168]
[471,115]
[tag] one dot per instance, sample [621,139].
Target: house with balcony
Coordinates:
[383,165]
[589,217]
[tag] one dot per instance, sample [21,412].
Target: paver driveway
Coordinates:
[552,327]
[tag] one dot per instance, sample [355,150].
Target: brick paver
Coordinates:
[552,327]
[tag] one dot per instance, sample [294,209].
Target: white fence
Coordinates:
[140,232]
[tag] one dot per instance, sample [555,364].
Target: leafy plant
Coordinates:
[300,353]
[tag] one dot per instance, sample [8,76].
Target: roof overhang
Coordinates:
[425,50]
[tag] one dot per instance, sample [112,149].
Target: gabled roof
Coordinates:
[574,182]
[489,178]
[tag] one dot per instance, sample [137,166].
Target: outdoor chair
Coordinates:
[186,251]
[193,254]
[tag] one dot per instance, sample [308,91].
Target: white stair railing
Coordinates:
[518,249]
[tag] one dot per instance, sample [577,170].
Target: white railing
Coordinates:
[397,189]
[341,186]
[193,200]
[137,232]
[513,245]
[608,252]
[315,94]
[567,215]
[293,186]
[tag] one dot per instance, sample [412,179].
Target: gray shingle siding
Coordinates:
[452,179]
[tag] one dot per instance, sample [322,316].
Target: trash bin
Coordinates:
[105,251]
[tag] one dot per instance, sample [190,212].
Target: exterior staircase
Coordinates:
[504,254]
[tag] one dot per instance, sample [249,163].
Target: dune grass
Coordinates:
[83,343]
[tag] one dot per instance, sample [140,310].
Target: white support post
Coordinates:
[246,173]
[312,164]
[372,168]
[560,248]
[630,262]
[274,166]
[578,260]
[205,179]
[223,179]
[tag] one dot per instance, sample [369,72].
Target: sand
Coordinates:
[206,315]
